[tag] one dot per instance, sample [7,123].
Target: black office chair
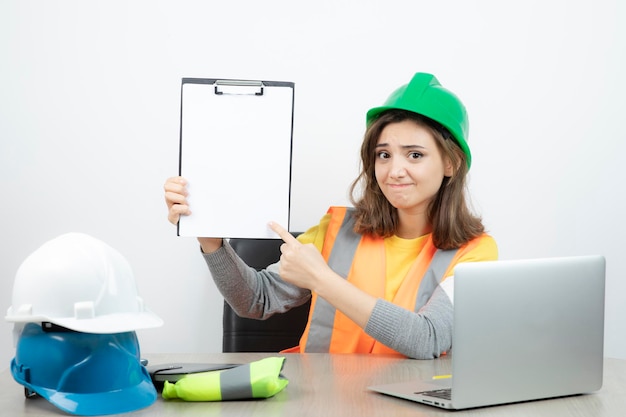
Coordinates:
[281,331]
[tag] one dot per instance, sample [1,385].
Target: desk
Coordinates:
[335,385]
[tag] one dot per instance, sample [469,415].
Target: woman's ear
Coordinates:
[448,168]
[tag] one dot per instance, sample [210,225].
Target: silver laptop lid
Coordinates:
[527,329]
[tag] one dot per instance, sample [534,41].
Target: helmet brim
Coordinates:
[108,324]
[373,114]
[125,400]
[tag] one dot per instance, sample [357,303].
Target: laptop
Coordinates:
[523,330]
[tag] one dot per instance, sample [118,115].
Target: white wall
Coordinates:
[89,118]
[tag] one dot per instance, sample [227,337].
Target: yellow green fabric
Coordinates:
[259,379]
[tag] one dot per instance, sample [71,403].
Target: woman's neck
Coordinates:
[412,225]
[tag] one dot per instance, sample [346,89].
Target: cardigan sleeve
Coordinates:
[251,293]
[423,335]
[427,333]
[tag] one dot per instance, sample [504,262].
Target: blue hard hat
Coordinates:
[83,373]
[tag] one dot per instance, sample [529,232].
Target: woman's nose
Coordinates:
[398,169]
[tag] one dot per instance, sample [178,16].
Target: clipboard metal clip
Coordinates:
[239,87]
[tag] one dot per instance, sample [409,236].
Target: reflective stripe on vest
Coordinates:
[340,260]
[236,384]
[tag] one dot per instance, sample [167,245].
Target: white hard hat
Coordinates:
[80,283]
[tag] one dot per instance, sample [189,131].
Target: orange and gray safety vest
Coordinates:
[361,260]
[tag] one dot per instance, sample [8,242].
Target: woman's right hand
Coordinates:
[176,200]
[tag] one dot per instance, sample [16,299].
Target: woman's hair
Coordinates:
[453,224]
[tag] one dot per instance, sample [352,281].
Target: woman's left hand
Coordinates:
[304,266]
[300,264]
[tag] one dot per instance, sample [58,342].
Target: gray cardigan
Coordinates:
[260,294]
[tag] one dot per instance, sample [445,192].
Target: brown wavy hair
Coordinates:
[453,223]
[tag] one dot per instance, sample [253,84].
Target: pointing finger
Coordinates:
[282,232]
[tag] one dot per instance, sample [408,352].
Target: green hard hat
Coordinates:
[425,95]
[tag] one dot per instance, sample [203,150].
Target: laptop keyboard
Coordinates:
[444,393]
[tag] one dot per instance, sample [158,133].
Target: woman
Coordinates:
[380,274]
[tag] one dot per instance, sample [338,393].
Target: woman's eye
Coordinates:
[415,155]
[382,155]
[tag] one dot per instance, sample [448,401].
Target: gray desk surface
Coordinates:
[335,385]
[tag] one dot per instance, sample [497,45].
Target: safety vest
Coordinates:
[259,379]
[361,260]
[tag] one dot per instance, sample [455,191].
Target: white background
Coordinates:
[89,120]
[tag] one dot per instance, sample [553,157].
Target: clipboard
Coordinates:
[172,372]
[235,152]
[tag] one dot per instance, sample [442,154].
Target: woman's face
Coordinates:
[409,166]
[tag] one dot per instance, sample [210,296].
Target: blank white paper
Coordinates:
[236,157]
